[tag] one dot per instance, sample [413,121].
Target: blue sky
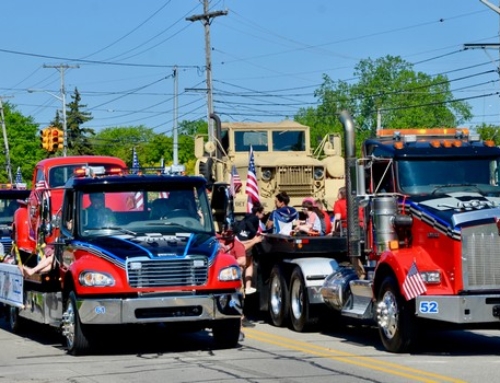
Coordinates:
[268,57]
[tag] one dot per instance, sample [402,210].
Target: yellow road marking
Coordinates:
[345,357]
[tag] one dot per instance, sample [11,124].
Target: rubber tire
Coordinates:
[401,333]
[226,333]
[301,318]
[77,343]
[278,299]
[16,323]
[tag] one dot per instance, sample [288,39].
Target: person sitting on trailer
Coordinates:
[281,219]
[314,223]
[44,265]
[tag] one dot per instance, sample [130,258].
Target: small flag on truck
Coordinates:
[413,285]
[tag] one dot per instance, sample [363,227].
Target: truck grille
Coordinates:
[167,272]
[481,257]
[297,181]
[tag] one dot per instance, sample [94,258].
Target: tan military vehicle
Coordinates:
[284,161]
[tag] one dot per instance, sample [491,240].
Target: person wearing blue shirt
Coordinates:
[281,219]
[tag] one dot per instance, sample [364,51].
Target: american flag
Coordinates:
[41,185]
[135,162]
[235,184]
[413,285]
[252,188]
[19,176]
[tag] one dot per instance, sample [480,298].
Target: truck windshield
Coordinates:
[446,175]
[256,139]
[7,208]
[284,141]
[145,211]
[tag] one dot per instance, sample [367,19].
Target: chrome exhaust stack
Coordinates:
[351,168]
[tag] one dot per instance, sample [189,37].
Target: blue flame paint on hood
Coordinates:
[455,210]
[121,248]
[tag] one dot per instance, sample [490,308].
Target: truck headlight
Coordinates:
[266,175]
[319,173]
[96,279]
[231,273]
[431,277]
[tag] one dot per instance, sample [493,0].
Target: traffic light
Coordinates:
[56,139]
[45,138]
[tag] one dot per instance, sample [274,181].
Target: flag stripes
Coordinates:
[413,285]
[235,182]
[252,187]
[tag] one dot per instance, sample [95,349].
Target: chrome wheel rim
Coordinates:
[388,315]
[275,295]
[69,325]
[297,299]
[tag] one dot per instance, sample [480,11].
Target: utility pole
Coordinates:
[61,68]
[206,18]
[175,132]
[6,143]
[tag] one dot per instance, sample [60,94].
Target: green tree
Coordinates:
[120,142]
[489,132]
[24,142]
[191,128]
[78,138]
[387,89]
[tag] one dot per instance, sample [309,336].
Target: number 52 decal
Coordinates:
[428,307]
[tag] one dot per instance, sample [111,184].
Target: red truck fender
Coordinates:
[400,262]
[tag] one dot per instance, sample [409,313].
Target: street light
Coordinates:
[61,98]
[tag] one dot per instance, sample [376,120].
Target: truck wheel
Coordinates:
[77,342]
[278,298]
[226,333]
[16,323]
[396,322]
[300,310]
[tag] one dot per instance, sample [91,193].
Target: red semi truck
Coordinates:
[427,253]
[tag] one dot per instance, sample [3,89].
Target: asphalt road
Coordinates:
[268,354]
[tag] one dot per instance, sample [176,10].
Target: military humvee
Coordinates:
[284,161]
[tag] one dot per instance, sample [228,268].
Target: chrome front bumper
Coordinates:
[459,309]
[166,308]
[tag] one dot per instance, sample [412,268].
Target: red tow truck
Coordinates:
[152,256]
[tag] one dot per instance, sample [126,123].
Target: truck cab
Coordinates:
[284,161]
